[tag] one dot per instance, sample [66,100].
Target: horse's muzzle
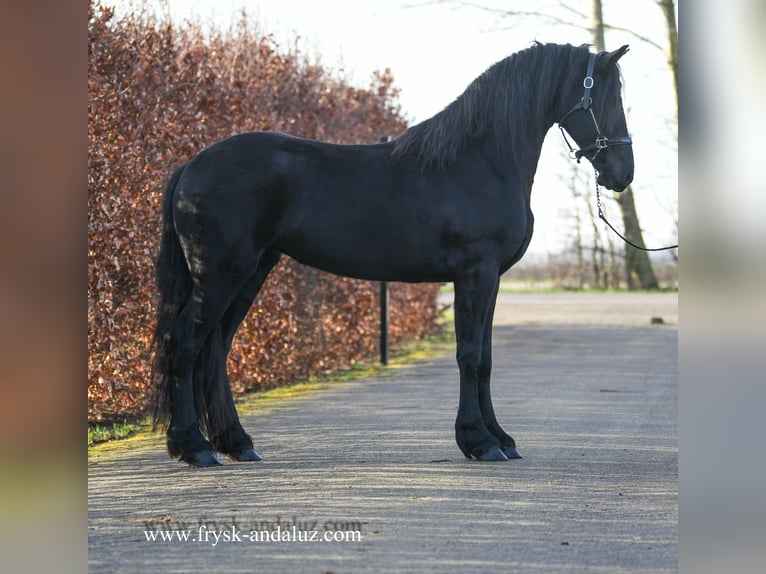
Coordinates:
[615,183]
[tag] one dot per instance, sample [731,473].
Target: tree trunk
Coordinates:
[669,9]
[597,26]
[638,267]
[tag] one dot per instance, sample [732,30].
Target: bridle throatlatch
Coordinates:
[602,142]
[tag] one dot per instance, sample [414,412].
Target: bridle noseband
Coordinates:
[602,142]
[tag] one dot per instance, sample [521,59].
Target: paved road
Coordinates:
[586,386]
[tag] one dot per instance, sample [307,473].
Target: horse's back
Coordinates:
[265,162]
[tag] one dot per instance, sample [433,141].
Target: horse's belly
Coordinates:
[389,252]
[371,256]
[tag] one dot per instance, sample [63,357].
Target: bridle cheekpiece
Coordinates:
[601,142]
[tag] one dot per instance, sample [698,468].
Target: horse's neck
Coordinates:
[522,145]
[525,134]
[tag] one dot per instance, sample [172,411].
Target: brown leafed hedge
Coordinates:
[158,93]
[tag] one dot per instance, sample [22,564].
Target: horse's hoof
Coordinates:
[493,454]
[248,455]
[202,459]
[511,452]
[464,450]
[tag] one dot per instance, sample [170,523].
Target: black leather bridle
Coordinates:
[601,142]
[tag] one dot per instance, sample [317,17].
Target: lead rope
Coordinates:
[628,241]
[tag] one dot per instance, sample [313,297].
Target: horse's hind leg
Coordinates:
[187,338]
[198,361]
[507,443]
[231,438]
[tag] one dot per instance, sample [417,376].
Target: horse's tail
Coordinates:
[174,283]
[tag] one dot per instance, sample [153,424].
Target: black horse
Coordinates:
[446,201]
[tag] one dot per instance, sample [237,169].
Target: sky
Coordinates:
[435,50]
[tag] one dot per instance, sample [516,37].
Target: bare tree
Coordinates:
[590,257]
[669,11]
[576,242]
[638,266]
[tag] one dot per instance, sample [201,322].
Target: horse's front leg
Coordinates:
[474,300]
[507,443]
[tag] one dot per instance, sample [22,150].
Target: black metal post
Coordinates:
[384,322]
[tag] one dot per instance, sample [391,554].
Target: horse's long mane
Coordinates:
[507,99]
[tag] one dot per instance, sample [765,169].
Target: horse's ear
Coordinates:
[607,60]
[617,54]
